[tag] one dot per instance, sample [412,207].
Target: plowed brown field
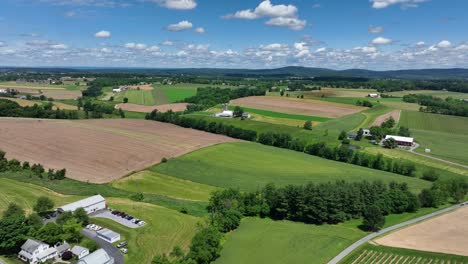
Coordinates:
[98,150]
[297,106]
[395,114]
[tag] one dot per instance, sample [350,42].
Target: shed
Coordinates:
[401,141]
[90,205]
[99,256]
[108,235]
[80,251]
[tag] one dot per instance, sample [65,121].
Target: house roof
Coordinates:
[31,245]
[107,233]
[99,256]
[83,203]
[46,253]
[63,247]
[399,138]
[77,250]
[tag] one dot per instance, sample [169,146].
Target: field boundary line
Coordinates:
[371,236]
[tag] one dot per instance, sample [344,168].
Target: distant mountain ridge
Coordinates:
[289,71]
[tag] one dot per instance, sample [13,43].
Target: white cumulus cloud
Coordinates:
[444,44]
[381,41]
[182,25]
[58,46]
[175,4]
[375,30]
[200,30]
[102,34]
[290,22]
[135,46]
[379,4]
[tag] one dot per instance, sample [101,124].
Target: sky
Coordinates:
[336,34]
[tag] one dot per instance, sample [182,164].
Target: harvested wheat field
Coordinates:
[178,107]
[297,106]
[445,234]
[61,94]
[147,87]
[395,114]
[99,151]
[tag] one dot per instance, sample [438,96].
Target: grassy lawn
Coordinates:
[164,229]
[266,241]
[377,254]
[25,195]
[141,97]
[177,94]
[152,182]
[249,166]
[447,146]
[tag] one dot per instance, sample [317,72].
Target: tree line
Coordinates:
[448,106]
[208,97]
[283,140]
[13,109]
[35,169]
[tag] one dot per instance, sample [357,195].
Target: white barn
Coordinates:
[99,256]
[401,141]
[108,235]
[225,113]
[90,205]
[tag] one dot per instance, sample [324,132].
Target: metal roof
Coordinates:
[99,256]
[83,203]
[399,138]
[77,250]
[31,245]
[107,233]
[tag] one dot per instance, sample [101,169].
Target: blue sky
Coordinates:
[339,34]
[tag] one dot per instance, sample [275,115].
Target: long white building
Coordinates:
[90,205]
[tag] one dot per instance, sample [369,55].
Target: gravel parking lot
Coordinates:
[107,214]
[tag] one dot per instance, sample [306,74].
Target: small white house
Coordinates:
[99,256]
[366,133]
[373,95]
[80,251]
[35,251]
[225,113]
[108,235]
[118,90]
[90,205]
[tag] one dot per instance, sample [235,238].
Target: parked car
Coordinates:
[141,223]
[124,250]
[88,226]
[137,221]
[122,244]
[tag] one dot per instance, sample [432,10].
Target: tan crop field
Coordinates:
[99,151]
[395,114]
[445,234]
[147,87]
[297,106]
[61,94]
[177,107]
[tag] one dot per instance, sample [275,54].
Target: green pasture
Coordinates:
[434,122]
[250,166]
[283,115]
[435,93]
[164,229]
[177,95]
[141,97]
[382,254]
[267,241]
[156,183]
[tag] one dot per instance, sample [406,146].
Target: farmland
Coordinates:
[25,195]
[152,182]
[282,115]
[164,229]
[268,241]
[379,254]
[434,122]
[177,107]
[441,94]
[250,166]
[433,235]
[140,97]
[297,106]
[91,150]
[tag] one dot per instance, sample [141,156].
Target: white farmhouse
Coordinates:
[90,205]
[35,251]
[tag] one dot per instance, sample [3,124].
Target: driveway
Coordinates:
[366,239]
[416,145]
[107,214]
[108,247]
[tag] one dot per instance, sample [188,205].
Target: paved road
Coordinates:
[365,239]
[416,145]
[108,247]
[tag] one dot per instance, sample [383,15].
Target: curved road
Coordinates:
[365,239]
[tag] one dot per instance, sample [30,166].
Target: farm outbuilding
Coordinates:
[108,235]
[90,205]
[402,141]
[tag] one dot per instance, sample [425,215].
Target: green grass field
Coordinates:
[156,183]
[266,241]
[177,94]
[283,115]
[141,97]
[25,195]
[434,122]
[164,229]
[250,166]
[381,254]
[441,94]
